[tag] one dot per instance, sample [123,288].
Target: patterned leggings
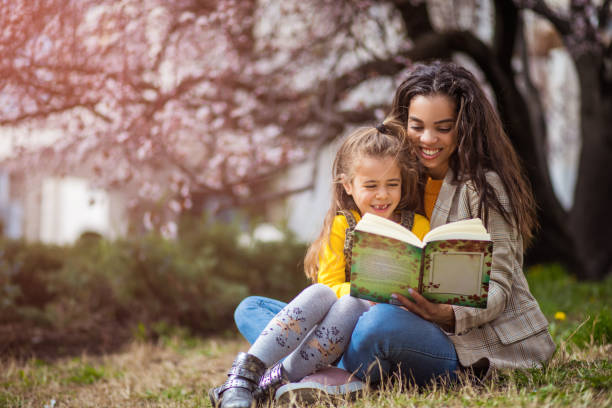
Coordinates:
[290,333]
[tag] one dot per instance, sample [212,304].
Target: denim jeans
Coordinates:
[253,314]
[387,340]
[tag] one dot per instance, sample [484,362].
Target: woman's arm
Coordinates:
[507,261]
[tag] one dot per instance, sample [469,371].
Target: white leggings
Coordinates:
[288,335]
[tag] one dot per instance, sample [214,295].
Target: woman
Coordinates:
[473,171]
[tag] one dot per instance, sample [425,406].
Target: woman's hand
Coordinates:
[441,314]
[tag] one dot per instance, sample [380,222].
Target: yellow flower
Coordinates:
[560,316]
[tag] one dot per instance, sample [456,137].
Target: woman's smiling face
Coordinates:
[431,125]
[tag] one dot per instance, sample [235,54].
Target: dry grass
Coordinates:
[170,374]
[177,372]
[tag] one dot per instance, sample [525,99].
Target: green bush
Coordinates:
[189,289]
[273,269]
[195,281]
[25,274]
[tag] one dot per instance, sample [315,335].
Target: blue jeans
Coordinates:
[386,340]
[253,314]
[389,340]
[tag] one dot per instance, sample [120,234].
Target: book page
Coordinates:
[464,229]
[445,236]
[378,268]
[458,273]
[375,224]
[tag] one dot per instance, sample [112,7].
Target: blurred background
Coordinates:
[159,161]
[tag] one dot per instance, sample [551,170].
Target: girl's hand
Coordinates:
[441,314]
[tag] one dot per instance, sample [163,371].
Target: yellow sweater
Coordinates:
[332,262]
[432,189]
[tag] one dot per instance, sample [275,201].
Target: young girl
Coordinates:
[473,172]
[372,173]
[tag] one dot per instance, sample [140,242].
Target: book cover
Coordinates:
[381,266]
[453,271]
[457,271]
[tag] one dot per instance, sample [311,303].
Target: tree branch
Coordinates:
[415,16]
[514,113]
[540,7]
[506,17]
[603,14]
[43,113]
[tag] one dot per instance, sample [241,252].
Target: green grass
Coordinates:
[586,305]
[85,374]
[178,369]
[8,400]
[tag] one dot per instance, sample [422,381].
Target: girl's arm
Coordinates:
[332,262]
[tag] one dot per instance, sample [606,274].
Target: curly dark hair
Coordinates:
[482,143]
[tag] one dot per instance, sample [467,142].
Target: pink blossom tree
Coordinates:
[193,102]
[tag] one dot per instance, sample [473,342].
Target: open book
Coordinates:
[451,265]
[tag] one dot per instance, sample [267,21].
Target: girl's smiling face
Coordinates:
[431,125]
[376,185]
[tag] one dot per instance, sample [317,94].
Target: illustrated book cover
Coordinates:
[451,265]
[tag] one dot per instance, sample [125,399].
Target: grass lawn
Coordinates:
[178,369]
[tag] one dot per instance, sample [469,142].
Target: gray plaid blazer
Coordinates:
[511,332]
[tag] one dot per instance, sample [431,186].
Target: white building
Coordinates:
[58,210]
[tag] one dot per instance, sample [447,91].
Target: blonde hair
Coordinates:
[386,140]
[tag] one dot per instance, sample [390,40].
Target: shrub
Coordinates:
[96,286]
[185,288]
[25,273]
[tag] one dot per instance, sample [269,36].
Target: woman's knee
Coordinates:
[378,317]
[389,324]
[253,314]
[245,307]
[372,325]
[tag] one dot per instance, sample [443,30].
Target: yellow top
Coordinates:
[432,189]
[331,260]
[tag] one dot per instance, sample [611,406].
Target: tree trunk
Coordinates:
[590,219]
[583,239]
[553,241]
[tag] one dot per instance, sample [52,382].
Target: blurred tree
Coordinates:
[205,101]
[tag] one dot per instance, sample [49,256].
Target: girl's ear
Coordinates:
[348,187]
